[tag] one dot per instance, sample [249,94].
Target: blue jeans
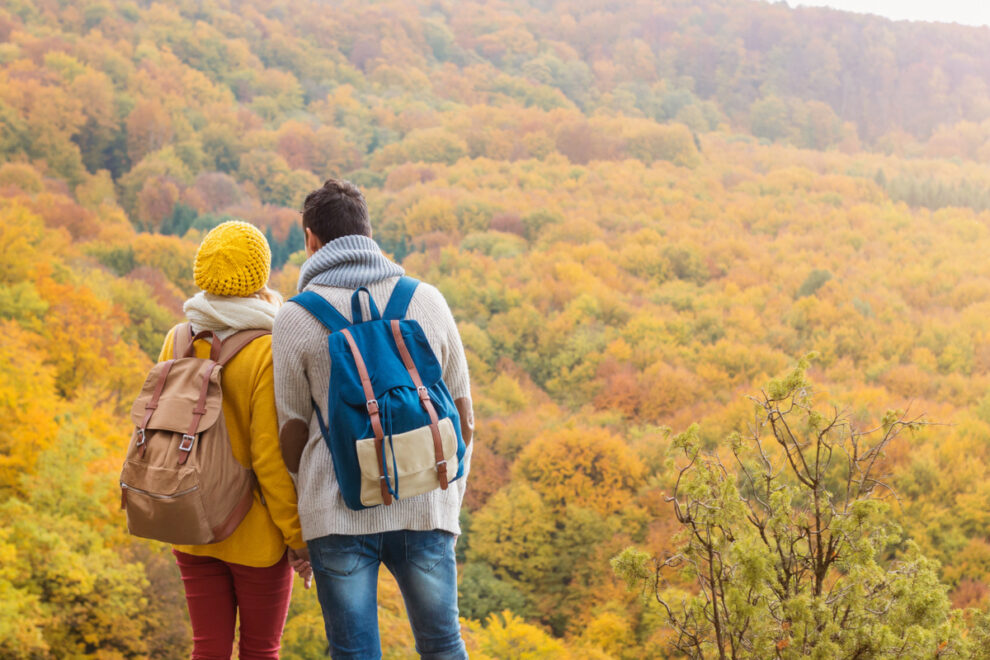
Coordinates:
[345,569]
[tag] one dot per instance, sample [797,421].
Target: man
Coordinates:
[413,537]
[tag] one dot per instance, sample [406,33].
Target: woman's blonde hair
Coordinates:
[269,295]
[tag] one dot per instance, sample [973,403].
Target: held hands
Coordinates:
[299,560]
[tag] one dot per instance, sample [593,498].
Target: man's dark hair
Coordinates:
[337,209]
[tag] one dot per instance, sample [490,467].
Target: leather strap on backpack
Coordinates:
[151,406]
[424,399]
[376,421]
[184,340]
[189,438]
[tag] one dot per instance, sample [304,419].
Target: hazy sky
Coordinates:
[968,12]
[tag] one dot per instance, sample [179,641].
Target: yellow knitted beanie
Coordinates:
[233,260]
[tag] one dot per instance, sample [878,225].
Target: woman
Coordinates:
[249,572]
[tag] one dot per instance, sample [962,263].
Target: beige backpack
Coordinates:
[181,483]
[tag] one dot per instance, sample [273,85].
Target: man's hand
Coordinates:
[299,560]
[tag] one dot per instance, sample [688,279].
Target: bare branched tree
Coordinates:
[788,548]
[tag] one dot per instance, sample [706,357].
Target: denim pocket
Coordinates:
[425,550]
[337,554]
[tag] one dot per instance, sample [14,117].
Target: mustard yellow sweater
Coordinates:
[249,410]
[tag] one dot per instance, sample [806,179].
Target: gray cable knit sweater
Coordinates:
[302,375]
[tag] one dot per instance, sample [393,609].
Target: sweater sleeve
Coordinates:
[452,358]
[266,459]
[292,389]
[453,362]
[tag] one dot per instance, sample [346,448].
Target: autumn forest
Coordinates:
[720,268]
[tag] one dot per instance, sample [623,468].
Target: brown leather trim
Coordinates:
[200,408]
[292,438]
[215,344]
[380,453]
[233,344]
[152,405]
[236,516]
[465,411]
[372,403]
[189,349]
[424,399]
[123,498]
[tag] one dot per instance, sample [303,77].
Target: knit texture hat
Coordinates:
[233,260]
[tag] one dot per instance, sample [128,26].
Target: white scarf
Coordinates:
[226,315]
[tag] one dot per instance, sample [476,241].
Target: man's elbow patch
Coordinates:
[466,413]
[293,438]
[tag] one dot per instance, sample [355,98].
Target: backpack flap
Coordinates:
[410,462]
[385,368]
[179,384]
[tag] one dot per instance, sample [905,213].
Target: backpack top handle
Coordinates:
[395,308]
[356,315]
[184,340]
[334,321]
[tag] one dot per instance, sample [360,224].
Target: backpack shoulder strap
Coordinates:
[322,310]
[233,344]
[402,294]
[181,339]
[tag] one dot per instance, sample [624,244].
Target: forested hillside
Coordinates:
[640,213]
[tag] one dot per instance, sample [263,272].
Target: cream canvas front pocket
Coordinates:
[415,460]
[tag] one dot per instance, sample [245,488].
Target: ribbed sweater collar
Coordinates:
[349,261]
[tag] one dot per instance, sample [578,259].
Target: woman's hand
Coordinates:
[299,560]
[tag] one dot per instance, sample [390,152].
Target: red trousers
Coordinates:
[216,590]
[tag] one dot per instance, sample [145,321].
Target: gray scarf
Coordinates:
[350,262]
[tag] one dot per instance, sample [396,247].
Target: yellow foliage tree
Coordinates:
[507,637]
[583,467]
[28,403]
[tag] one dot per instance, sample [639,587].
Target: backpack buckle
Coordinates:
[372,407]
[187,442]
[424,394]
[442,474]
[141,438]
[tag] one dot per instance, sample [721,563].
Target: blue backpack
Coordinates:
[392,427]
